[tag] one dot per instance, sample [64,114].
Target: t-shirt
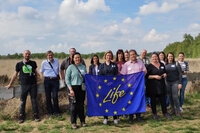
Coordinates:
[173,72]
[26,72]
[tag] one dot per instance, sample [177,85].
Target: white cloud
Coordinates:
[152,36]
[75,10]
[135,21]
[17,46]
[28,12]
[60,47]
[153,7]
[93,45]
[110,30]
[194,27]
[182,1]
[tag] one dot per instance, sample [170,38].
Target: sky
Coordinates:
[95,25]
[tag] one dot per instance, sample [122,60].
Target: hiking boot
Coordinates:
[74,126]
[36,118]
[21,118]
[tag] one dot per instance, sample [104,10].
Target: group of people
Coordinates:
[164,77]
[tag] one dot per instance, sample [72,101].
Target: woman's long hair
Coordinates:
[173,61]
[120,51]
[92,62]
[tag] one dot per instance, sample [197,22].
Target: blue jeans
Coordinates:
[52,86]
[182,91]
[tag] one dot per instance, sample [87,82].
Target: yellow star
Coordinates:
[131,93]
[123,79]
[123,109]
[105,81]
[99,87]
[129,102]
[97,95]
[114,78]
[115,112]
[100,104]
[106,110]
[129,85]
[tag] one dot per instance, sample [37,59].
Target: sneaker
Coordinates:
[181,109]
[83,124]
[166,115]
[155,117]
[172,112]
[74,126]
[115,121]
[21,118]
[105,121]
[36,118]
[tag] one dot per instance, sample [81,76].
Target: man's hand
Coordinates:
[179,86]
[8,86]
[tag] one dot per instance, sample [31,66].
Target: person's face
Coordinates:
[143,53]
[170,57]
[181,57]
[27,54]
[77,59]
[50,56]
[133,56]
[72,51]
[126,56]
[154,58]
[120,56]
[108,57]
[95,60]
[161,56]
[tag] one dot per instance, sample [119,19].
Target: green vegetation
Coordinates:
[61,55]
[189,122]
[190,46]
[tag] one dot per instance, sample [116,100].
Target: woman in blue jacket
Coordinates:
[95,64]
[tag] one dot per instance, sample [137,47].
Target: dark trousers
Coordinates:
[52,86]
[162,100]
[32,90]
[77,104]
[114,117]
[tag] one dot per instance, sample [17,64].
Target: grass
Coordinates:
[27,128]
[189,122]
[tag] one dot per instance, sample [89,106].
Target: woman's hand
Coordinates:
[71,91]
[164,75]
[179,86]
[158,77]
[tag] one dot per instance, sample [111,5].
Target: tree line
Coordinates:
[61,55]
[190,46]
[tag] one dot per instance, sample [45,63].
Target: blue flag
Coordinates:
[115,95]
